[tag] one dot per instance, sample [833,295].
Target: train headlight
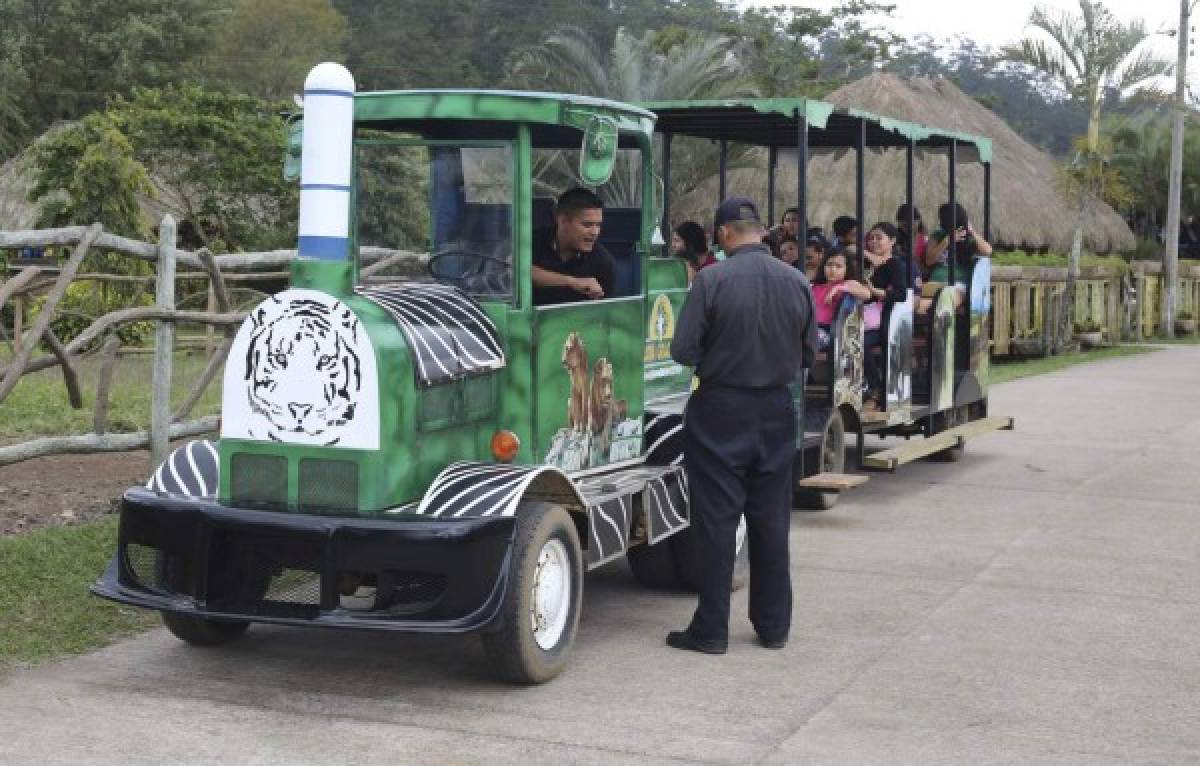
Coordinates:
[505,446]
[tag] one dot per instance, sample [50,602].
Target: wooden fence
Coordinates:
[1117,306]
[38,276]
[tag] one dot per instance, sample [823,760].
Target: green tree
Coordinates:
[265,47]
[1087,54]
[634,69]
[66,57]
[212,159]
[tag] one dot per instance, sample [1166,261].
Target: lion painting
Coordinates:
[603,411]
[575,359]
[303,371]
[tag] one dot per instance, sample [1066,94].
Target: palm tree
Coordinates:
[634,69]
[1088,54]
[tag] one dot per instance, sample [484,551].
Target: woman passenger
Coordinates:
[789,251]
[915,248]
[814,253]
[888,284]
[968,245]
[689,237]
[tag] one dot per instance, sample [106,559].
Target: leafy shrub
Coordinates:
[1058,260]
[84,302]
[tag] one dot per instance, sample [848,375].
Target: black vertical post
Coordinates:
[724,160]
[772,159]
[987,201]
[860,161]
[911,222]
[953,210]
[802,179]
[666,211]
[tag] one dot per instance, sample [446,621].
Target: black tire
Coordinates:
[950,419]
[201,631]
[653,566]
[689,564]
[543,529]
[829,457]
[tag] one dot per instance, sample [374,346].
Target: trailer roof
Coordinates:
[775,122]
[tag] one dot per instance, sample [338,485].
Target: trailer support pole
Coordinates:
[953,210]
[911,222]
[666,177]
[802,179]
[860,160]
[772,160]
[724,166]
[987,201]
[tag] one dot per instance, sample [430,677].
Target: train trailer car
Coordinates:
[933,350]
[438,453]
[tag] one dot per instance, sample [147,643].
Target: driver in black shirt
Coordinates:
[568,263]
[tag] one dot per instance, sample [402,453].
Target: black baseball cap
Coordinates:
[736,209]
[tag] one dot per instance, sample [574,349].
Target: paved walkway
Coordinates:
[1038,602]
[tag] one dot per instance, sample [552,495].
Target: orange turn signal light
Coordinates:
[505,446]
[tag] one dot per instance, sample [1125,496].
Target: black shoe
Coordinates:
[682,639]
[777,642]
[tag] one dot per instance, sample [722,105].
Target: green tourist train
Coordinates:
[433,452]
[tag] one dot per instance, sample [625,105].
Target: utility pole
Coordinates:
[1175,180]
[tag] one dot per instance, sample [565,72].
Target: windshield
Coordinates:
[436,211]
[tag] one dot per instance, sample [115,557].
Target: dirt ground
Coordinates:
[66,489]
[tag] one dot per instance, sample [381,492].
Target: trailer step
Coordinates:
[832,482]
[891,459]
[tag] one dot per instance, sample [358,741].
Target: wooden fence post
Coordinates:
[164,341]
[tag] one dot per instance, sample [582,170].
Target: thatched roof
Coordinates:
[1028,209]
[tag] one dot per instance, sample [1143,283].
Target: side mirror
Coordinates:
[598,154]
[293,131]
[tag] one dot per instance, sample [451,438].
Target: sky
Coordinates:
[997,22]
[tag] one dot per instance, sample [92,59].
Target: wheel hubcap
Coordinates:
[550,600]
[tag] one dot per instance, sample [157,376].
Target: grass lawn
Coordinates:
[38,406]
[1004,370]
[48,613]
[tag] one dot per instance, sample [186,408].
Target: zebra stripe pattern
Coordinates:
[448,333]
[190,471]
[608,524]
[472,490]
[666,505]
[664,439]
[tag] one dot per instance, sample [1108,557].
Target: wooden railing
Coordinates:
[1118,306]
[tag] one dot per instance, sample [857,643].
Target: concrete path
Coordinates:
[1038,602]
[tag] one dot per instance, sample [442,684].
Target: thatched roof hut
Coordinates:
[1028,208]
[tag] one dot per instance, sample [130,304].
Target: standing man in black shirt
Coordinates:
[748,329]
[568,263]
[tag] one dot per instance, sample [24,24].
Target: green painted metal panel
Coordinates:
[587,362]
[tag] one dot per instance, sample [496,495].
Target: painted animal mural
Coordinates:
[598,429]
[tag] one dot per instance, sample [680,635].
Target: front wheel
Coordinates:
[540,614]
[201,631]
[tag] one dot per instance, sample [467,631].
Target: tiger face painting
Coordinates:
[308,372]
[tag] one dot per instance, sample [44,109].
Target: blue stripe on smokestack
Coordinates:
[324,248]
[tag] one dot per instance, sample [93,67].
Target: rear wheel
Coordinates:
[673,564]
[829,457]
[201,631]
[540,614]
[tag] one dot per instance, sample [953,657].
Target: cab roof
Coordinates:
[554,118]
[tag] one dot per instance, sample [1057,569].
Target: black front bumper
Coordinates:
[408,574]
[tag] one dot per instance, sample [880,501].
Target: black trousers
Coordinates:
[739,444]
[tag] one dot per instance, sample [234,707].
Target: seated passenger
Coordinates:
[690,243]
[568,263]
[845,234]
[789,251]
[889,283]
[914,249]
[789,226]
[968,245]
[836,278]
[814,253]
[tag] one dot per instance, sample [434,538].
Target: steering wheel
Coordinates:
[470,271]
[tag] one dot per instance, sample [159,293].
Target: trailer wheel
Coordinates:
[540,614]
[950,419]
[672,564]
[830,457]
[201,631]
